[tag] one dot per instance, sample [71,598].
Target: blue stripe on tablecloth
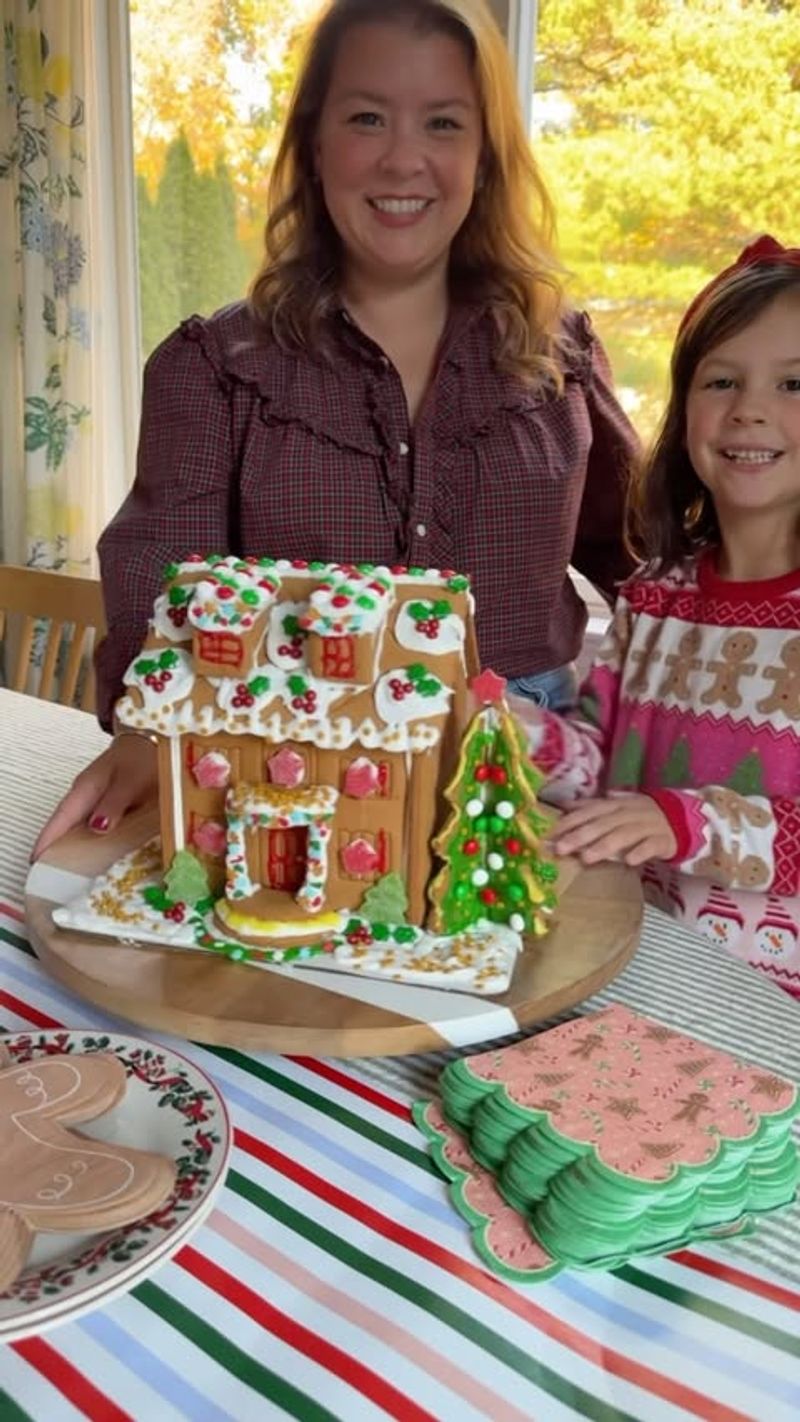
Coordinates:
[426,1204]
[733,1365]
[173,1387]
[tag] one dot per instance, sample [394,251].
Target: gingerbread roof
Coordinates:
[414,625]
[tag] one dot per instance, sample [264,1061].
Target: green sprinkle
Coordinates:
[365,601]
[250,597]
[459,583]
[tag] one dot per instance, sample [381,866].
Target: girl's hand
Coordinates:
[120,779]
[630,828]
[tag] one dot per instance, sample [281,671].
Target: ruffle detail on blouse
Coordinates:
[292,390]
[348,404]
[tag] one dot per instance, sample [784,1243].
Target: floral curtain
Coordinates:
[45,308]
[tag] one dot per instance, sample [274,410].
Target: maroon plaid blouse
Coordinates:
[245,448]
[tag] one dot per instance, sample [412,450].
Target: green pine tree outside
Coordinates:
[190,258]
[676,772]
[747,778]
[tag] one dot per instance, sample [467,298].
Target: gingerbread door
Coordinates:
[285,856]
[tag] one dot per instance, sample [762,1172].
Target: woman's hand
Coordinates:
[120,779]
[630,828]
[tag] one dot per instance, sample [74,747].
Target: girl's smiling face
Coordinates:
[398,148]
[743,415]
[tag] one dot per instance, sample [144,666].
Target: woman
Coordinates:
[403,386]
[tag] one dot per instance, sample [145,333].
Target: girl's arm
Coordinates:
[739,841]
[572,751]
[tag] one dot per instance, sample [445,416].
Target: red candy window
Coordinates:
[221,648]
[338,657]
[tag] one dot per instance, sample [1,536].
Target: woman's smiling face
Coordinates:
[398,148]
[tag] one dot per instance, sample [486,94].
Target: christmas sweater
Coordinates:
[694,698]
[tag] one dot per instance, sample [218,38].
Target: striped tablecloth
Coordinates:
[334,1281]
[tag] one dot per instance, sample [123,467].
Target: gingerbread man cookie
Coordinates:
[682,663]
[54,1178]
[785,694]
[737,809]
[723,866]
[728,670]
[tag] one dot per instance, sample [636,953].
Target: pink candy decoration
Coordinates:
[359,857]
[361,778]
[210,838]
[286,768]
[212,771]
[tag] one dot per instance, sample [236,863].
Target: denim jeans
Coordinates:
[557,689]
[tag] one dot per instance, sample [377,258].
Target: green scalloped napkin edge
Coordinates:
[464,1176]
[442,1137]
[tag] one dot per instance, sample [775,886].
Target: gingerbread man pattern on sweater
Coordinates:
[694,698]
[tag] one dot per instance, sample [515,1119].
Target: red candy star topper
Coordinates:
[487,687]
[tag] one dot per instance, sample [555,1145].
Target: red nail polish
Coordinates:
[99,822]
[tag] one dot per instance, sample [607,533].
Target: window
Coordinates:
[221,649]
[666,130]
[209,84]
[338,658]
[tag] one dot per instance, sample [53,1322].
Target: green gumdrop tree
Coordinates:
[186,881]
[490,844]
[386,901]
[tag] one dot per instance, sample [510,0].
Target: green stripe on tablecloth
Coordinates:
[24,947]
[710,1308]
[327,1107]
[494,1344]
[10,1411]
[242,1365]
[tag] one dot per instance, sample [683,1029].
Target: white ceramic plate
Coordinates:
[170,1107]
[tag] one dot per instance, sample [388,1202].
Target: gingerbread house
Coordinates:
[308,717]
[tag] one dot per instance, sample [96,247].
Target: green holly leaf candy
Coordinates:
[405,935]
[297,685]
[258,685]
[419,611]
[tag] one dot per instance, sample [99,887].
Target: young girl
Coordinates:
[684,755]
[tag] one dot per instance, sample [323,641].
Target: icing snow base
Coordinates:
[478,960]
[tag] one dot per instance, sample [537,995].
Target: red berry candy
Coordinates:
[224,592]
[298,703]
[499,775]
[482,772]
[432,629]
[299,563]
[284,651]
[166,676]
[513,846]
[470,846]
[340,600]
[488,896]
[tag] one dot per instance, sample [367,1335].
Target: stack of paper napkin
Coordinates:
[609,1136]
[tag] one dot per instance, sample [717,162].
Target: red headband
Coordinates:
[765,251]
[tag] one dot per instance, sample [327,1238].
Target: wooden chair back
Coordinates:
[72,610]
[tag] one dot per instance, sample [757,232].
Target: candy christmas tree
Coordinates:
[491,842]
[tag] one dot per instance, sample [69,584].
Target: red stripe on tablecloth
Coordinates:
[303,1339]
[24,1009]
[593,1350]
[728,1274]
[737,1278]
[11,911]
[358,1088]
[64,1376]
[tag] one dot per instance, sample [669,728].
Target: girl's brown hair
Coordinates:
[671,515]
[502,255]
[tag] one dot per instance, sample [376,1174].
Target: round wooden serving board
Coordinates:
[300,1010]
